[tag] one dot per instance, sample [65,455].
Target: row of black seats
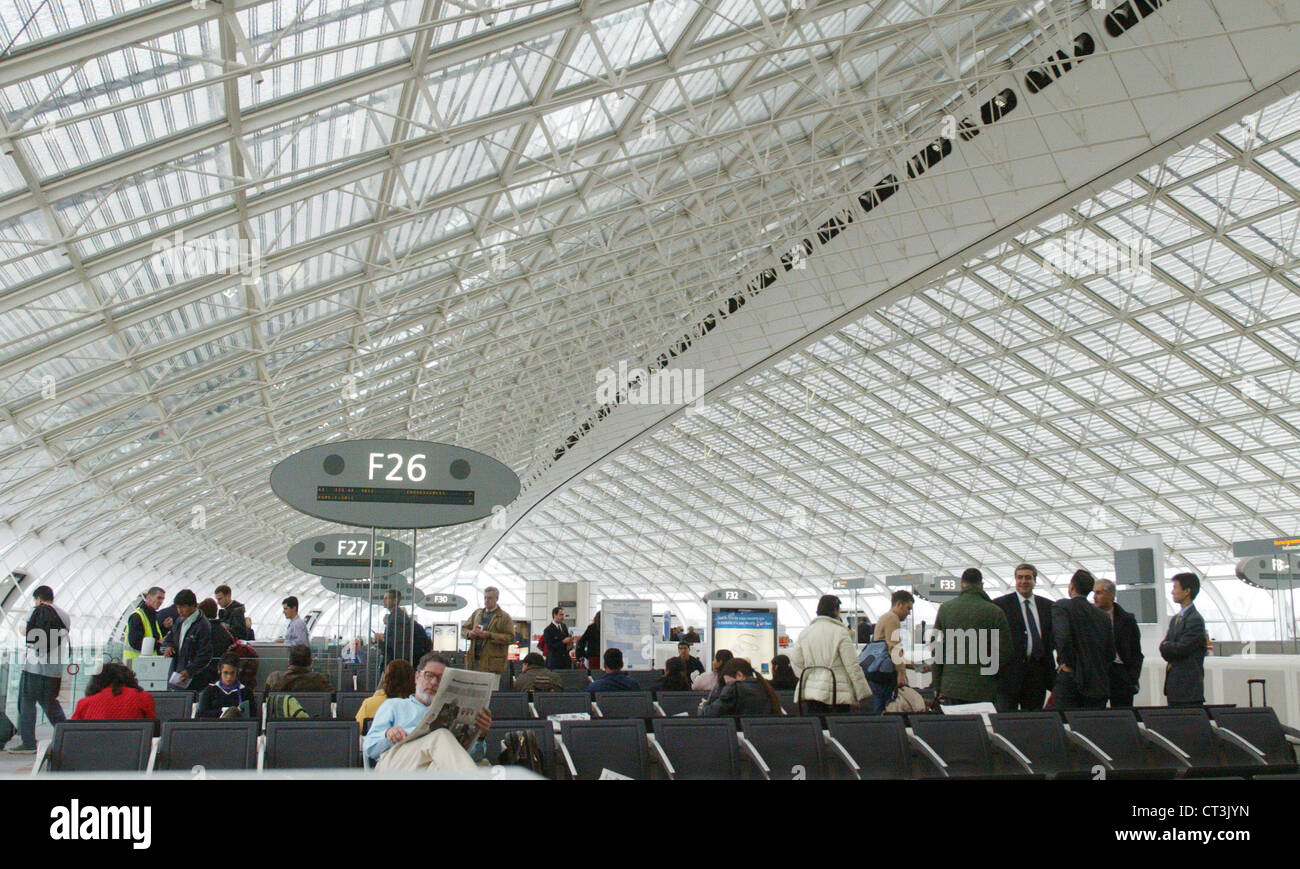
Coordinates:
[127,746]
[577,680]
[319,705]
[1158,742]
[1086,744]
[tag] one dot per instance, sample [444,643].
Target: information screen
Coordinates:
[351,562]
[373,495]
[749,634]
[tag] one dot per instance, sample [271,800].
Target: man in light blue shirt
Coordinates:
[399,716]
[296,633]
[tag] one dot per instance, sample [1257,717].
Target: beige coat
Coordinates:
[501,633]
[826,643]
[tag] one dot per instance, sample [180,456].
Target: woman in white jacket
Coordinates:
[825,649]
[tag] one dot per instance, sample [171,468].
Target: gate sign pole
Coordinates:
[347,556]
[392,483]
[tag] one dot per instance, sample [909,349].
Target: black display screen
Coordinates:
[350,562]
[374,495]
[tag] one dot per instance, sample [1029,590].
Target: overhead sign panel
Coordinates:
[348,556]
[442,601]
[392,483]
[1267,546]
[362,588]
[848,584]
[1280,571]
[730,594]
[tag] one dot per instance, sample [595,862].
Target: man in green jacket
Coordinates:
[973,644]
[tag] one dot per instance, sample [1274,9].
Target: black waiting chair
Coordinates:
[561,702]
[307,744]
[573,680]
[786,748]
[788,704]
[874,746]
[625,704]
[209,744]
[543,730]
[619,746]
[100,746]
[348,703]
[317,704]
[674,703]
[646,680]
[1123,749]
[697,748]
[1257,731]
[963,743]
[1041,737]
[509,704]
[1189,730]
[173,705]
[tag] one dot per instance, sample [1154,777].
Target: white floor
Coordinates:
[21,764]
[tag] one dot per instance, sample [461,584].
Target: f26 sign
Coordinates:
[391,483]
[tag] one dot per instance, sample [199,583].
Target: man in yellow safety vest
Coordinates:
[143,623]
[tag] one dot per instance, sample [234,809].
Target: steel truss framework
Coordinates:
[231,230]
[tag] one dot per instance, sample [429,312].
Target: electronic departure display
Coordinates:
[349,555]
[372,592]
[385,563]
[393,483]
[371,495]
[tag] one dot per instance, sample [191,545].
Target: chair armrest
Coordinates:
[1292,734]
[568,758]
[261,752]
[1092,748]
[763,768]
[928,752]
[663,755]
[1009,749]
[153,755]
[595,707]
[1161,741]
[842,753]
[532,710]
[659,710]
[42,756]
[1241,742]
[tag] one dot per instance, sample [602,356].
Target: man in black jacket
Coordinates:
[557,641]
[1126,669]
[230,613]
[1085,648]
[401,632]
[46,655]
[188,643]
[1184,646]
[1025,680]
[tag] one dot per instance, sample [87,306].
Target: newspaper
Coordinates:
[462,695]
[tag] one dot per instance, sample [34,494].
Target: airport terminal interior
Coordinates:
[419,346]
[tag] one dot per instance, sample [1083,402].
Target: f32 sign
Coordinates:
[389,483]
[347,556]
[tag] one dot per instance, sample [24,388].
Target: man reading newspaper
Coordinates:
[439,727]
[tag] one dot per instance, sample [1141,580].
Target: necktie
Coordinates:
[1035,639]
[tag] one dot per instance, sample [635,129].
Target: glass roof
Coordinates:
[213,226]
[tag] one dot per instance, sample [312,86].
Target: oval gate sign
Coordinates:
[390,483]
[361,588]
[442,601]
[347,556]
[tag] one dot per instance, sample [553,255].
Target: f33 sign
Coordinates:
[347,556]
[389,483]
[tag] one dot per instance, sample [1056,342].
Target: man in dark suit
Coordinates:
[1126,669]
[1024,682]
[1085,647]
[558,641]
[1184,646]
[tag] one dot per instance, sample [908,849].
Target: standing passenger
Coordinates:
[1184,646]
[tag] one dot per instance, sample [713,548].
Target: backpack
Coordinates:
[520,748]
[286,706]
[247,662]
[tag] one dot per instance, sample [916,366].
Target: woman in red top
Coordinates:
[113,692]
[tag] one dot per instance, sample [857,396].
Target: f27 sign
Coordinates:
[348,556]
[390,483]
